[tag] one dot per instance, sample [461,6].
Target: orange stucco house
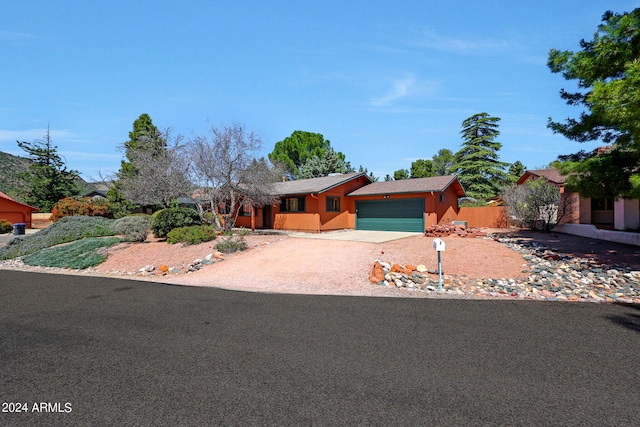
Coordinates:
[15,212]
[353,201]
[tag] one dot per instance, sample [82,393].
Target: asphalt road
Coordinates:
[100,351]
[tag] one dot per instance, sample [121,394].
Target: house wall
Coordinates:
[585,210]
[316,218]
[571,201]
[336,220]
[626,214]
[15,212]
[447,211]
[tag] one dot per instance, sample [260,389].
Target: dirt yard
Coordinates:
[278,263]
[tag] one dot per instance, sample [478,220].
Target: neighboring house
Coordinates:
[348,201]
[15,212]
[621,214]
[96,194]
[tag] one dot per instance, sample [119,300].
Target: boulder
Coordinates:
[377,273]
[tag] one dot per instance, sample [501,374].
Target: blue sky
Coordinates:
[387,82]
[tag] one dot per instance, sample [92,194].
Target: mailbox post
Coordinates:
[439,246]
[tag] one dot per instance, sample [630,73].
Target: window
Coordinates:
[441,197]
[245,210]
[292,204]
[333,204]
[602,204]
[223,208]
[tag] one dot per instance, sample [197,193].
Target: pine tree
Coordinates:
[480,171]
[145,136]
[49,178]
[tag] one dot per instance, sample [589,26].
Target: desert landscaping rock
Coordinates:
[551,276]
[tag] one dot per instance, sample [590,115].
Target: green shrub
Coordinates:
[243,231]
[192,235]
[171,218]
[232,244]
[134,228]
[84,253]
[5,226]
[66,230]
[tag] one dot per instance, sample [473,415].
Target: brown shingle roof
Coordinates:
[4,196]
[552,175]
[313,185]
[415,185]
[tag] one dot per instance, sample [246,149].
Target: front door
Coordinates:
[267,218]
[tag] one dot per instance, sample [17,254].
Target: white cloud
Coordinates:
[429,38]
[404,87]
[15,35]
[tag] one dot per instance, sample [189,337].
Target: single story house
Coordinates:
[15,212]
[621,214]
[353,201]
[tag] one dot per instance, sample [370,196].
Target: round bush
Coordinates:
[71,206]
[5,226]
[171,218]
[232,244]
[134,228]
[192,235]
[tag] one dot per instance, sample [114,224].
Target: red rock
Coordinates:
[377,273]
[396,268]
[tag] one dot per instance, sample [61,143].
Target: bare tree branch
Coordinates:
[160,176]
[227,172]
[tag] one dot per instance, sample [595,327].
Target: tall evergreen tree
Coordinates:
[329,162]
[400,174]
[516,170]
[49,179]
[422,168]
[145,138]
[444,162]
[480,171]
[607,73]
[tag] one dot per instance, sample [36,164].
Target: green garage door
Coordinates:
[390,215]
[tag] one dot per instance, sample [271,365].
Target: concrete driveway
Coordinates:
[370,236]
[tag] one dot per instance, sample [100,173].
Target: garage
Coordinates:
[390,215]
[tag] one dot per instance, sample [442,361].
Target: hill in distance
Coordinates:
[13,185]
[10,168]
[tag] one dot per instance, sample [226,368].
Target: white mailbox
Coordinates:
[438,245]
